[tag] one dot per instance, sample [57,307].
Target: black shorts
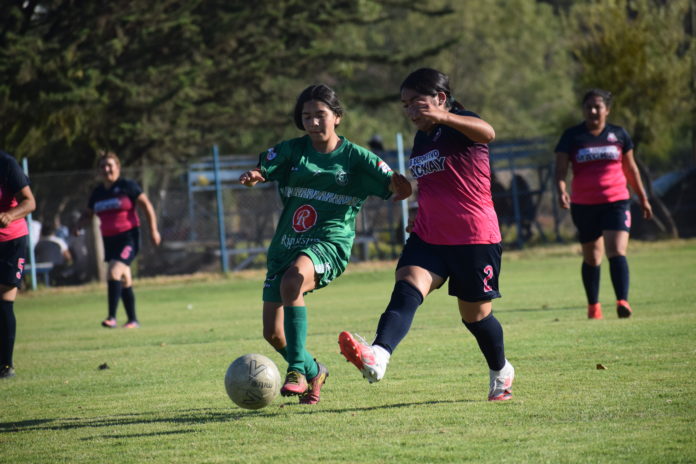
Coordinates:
[592,220]
[123,247]
[472,270]
[13,255]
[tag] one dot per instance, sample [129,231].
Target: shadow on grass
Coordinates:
[188,417]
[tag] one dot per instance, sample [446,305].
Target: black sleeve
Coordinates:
[132,189]
[16,179]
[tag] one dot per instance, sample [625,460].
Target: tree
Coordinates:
[159,81]
[641,52]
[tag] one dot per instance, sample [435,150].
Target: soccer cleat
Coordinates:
[311,396]
[109,323]
[295,384]
[6,372]
[363,356]
[501,383]
[131,325]
[623,309]
[594,311]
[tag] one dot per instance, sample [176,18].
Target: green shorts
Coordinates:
[328,264]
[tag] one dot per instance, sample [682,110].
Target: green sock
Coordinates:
[295,324]
[310,365]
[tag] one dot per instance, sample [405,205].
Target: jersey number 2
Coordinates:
[488,270]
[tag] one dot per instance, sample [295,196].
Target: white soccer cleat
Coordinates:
[501,383]
[371,360]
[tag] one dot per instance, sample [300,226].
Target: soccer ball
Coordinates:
[252,381]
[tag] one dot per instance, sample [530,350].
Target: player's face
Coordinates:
[595,112]
[109,170]
[417,106]
[319,121]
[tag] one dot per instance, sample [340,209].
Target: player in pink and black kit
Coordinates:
[16,201]
[601,156]
[455,234]
[114,202]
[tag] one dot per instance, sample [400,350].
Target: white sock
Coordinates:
[382,354]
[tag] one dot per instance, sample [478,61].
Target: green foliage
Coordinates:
[641,52]
[162,399]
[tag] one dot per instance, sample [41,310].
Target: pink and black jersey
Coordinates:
[596,161]
[12,180]
[455,206]
[115,206]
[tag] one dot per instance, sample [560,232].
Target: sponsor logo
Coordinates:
[342,178]
[305,218]
[106,205]
[312,194]
[603,153]
[384,167]
[271,154]
[427,163]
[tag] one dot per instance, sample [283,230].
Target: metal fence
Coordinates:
[185,200]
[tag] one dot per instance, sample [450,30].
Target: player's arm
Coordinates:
[475,128]
[25,205]
[561,174]
[400,187]
[630,169]
[145,205]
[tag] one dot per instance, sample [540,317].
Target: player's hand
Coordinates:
[5,220]
[427,110]
[251,178]
[155,237]
[400,187]
[647,209]
[564,200]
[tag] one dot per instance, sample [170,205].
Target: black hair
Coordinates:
[428,81]
[318,92]
[603,94]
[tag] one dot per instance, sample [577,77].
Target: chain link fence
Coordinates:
[184,198]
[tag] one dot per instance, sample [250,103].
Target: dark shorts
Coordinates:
[123,247]
[592,220]
[472,270]
[13,255]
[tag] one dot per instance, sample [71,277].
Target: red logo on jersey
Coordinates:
[304,218]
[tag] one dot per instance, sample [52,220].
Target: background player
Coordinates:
[601,156]
[455,233]
[323,180]
[114,202]
[16,201]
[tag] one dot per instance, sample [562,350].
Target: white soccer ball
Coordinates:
[252,381]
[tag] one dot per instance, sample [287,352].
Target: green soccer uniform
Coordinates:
[321,193]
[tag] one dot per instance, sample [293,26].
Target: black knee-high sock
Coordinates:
[618,268]
[8,330]
[489,335]
[590,279]
[396,320]
[128,298]
[113,295]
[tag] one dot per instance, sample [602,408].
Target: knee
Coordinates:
[292,282]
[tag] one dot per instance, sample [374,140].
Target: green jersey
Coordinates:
[322,194]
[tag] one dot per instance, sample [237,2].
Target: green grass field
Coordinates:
[163,400]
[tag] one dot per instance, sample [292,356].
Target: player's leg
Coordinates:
[479,319]
[8,330]
[114,284]
[587,220]
[617,226]
[297,279]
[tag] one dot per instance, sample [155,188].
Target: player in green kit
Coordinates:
[323,180]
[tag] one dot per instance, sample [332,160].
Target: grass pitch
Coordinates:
[162,397]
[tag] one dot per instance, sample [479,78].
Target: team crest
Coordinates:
[611,137]
[271,154]
[342,178]
[305,218]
